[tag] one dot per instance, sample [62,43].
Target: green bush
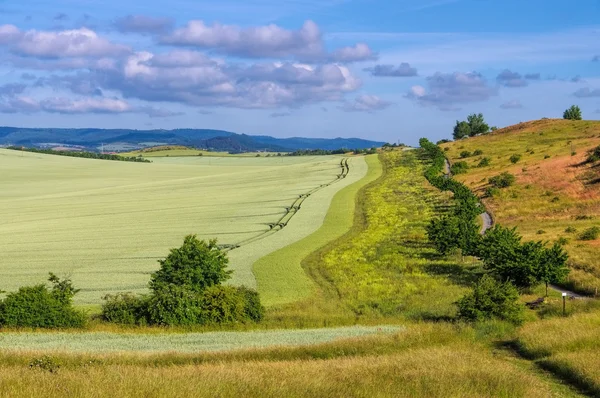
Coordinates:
[515,158]
[477,152]
[459,168]
[491,299]
[503,180]
[125,309]
[253,308]
[573,113]
[465,154]
[40,307]
[223,305]
[594,155]
[570,230]
[484,162]
[196,265]
[590,234]
[491,192]
[175,305]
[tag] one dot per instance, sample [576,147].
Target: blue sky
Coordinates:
[385,70]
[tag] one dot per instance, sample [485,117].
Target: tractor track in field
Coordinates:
[291,210]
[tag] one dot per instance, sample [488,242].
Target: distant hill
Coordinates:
[215,140]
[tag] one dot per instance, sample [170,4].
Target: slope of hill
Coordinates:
[556,194]
[216,140]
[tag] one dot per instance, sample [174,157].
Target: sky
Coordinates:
[387,70]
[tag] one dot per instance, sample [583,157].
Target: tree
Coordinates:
[552,267]
[461,130]
[443,232]
[503,254]
[196,265]
[477,125]
[491,299]
[573,113]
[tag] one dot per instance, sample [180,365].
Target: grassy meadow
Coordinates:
[359,304]
[106,223]
[434,360]
[555,195]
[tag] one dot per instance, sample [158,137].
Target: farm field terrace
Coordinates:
[107,223]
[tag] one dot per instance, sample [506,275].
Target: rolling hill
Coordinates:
[215,140]
[556,195]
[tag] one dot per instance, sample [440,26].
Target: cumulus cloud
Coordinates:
[587,92]
[81,105]
[270,41]
[508,78]
[143,24]
[402,70]
[513,104]
[196,80]
[28,76]
[359,52]
[81,42]
[61,17]
[532,76]
[366,103]
[445,90]
[280,114]
[577,79]
[12,89]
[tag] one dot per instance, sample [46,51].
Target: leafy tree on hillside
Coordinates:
[195,265]
[491,299]
[477,124]
[461,130]
[573,113]
[553,265]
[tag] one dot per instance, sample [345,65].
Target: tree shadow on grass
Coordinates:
[456,273]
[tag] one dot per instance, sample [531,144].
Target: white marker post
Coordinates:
[564,296]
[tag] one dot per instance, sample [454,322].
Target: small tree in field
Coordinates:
[491,299]
[573,113]
[195,265]
[461,130]
[552,267]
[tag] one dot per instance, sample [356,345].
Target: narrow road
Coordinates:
[569,293]
[487,222]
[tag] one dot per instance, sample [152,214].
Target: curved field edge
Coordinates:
[181,342]
[304,222]
[280,276]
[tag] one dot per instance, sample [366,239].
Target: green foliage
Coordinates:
[45,363]
[484,162]
[461,130]
[573,113]
[253,309]
[503,180]
[524,264]
[196,265]
[171,304]
[552,267]
[491,299]
[216,305]
[465,154]
[186,291]
[491,192]
[477,124]
[594,155]
[125,309]
[40,307]
[459,168]
[590,234]
[477,152]
[514,158]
